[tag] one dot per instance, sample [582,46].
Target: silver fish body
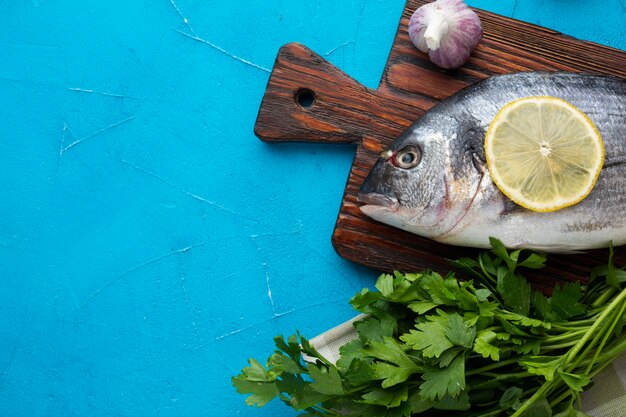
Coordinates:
[433,180]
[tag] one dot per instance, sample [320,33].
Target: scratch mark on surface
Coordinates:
[66,131]
[234,274]
[514,8]
[138,267]
[269,289]
[224,51]
[359,20]
[336,48]
[266,271]
[182,190]
[234,332]
[182,16]
[275,316]
[81,140]
[101,93]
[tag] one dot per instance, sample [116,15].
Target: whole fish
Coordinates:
[433,180]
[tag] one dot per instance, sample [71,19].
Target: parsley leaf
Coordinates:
[534,261]
[349,352]
[541,408]
[529,346]
[302,396]
[511,398]
[422,306]
[515,291]
[384,284]
[375,329]
[542,307]
[261,392]
[391,364]
[459,402]
[497,247]
[430,337]
[358,373]
[281,363]
[434,344]
[256,372]
[364,300]
[483,345]
[522,320]
[439,382]
[446,357]
[565,301]
[459,333]
[258,382]
[441,292]
[390,397]
[570,411]
[325,380]
[574,381]
[614,276]
[545,366]
[291,347]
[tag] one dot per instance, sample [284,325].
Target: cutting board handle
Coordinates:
[309,99]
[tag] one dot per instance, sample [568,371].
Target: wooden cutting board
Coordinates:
[310,100]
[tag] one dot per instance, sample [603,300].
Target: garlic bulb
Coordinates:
[448,30]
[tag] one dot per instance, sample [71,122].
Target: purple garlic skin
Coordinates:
[448,30]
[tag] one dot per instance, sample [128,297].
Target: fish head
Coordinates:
[424,182]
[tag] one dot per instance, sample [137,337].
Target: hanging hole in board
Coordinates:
[305,98]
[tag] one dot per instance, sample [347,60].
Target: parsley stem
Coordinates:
[550,347]
[536,396]
[548,385]
[569,393]
[606,357]
[599,322]
[602,299]
[574,323]
[605,360]
[491,279]
[618,318]
[491,367]
[614,350]
[567,336]
[561,398]
[498,379]
[492,413]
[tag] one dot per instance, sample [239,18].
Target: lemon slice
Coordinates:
[543,153]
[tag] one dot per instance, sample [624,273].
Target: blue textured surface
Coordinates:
[149,243]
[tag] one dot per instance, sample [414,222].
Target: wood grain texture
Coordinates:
[346,112]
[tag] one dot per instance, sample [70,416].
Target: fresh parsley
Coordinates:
[434,345]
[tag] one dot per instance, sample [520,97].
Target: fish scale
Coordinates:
[450,197]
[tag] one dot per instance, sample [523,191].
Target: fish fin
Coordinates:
[472,133]
[479,164]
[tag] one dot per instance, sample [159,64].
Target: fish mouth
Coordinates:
[376,199]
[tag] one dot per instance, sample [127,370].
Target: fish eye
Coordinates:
[408,157]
